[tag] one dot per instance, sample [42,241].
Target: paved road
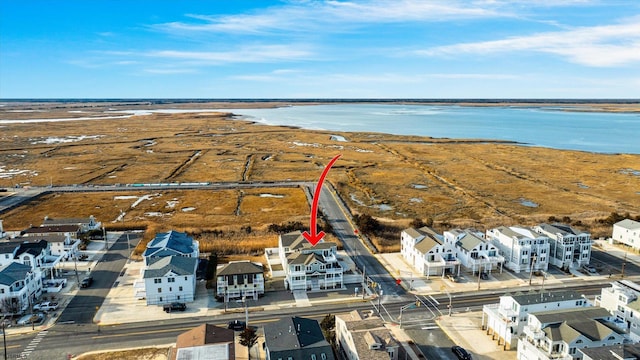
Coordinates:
[83,307]
[337,214]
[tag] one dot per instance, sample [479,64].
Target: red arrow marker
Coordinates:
[314,237]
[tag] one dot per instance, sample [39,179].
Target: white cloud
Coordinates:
[168,71]
[330,16]
[248,54]
[599,46]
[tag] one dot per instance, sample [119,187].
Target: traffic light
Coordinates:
[417,303]
[398,281]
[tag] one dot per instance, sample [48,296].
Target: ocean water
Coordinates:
[553,128]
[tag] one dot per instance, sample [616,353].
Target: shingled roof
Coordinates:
[13,272]
[169,242]
[296,337]
[240,267]
[179,265]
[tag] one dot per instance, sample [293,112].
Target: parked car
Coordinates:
[452,278]
[29,319]
[589,269]
[461,353]
[46,306]
[86,282]
[174,306]
[237,325]
[484,276]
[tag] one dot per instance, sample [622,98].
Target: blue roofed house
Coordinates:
[20,285]
[172,243]
[169,275]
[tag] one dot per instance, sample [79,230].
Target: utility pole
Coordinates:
[479,273]
[246,310]
[4,339]
[364,284]
[533,261]
[624,262]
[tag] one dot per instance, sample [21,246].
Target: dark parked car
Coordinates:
[174,306]
[86,282]
[484,276]
[461,353]
[237,325]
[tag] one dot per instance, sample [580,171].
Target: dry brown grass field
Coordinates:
[393,178]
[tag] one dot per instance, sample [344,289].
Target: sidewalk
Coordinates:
[464,329]
[121,306]
[397,266]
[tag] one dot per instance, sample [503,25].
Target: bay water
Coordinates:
[600,132]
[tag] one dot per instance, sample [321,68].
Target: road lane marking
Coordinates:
[173,329]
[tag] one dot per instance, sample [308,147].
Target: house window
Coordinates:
[171,280]
[185,278]
[157,281]
[313,356]
[323,356]
[160,298]
[159,290]
[170,289]
[180,288]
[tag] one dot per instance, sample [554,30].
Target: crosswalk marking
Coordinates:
[32,345]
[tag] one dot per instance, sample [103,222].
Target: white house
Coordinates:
[522,248]
[172,243]
[20,286]
[473,251]
[621,300]
[360,335]
[506,320]
[427,252]
[37,254]
[627,232]
[63,246]
[568,247]
[559,334]
[169,279]
[309,267]
[239,278]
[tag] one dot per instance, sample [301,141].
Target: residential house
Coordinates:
[506,320]
[560,334]
[205,342]
[296,338]
[428,253]
[239,278]
[522,247]
[309,267]
[473,251]
[621,300]
[568,247]
[20,286]
[612,352]
[169,279]
[37,254]
[63,246]
[73,231]
[360,335]
[627,232]
[172,243]
[85,224]
[7,252]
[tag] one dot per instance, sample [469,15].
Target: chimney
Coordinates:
[289,328]
[298,327]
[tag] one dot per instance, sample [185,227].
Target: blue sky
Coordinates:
[320,49]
